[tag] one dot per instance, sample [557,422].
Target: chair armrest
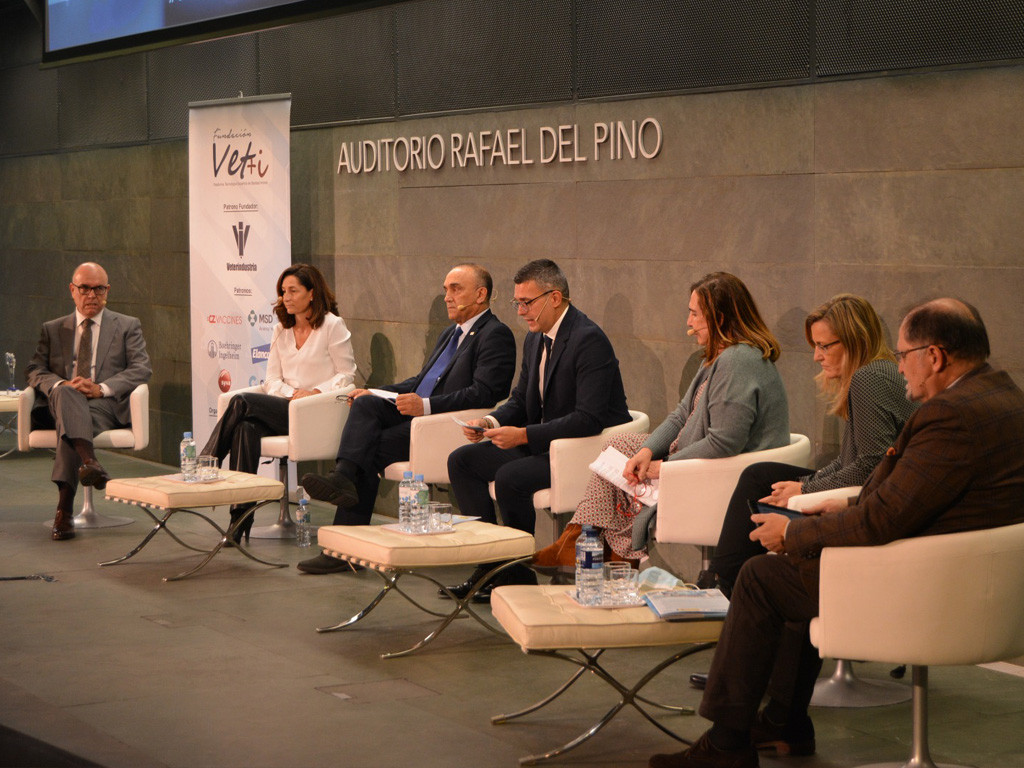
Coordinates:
[694,493]
[138,402]
[315,424]
[803,501]
[26,400]
[927,600]
[433,437]
[571,458]
[225,398]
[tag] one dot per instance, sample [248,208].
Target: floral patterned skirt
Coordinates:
[609,508]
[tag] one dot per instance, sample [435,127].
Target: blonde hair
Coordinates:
[859,329]
[732,317]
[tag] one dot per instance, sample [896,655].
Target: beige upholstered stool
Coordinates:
[546,621]
[393,554]
[8,417]
[167,495]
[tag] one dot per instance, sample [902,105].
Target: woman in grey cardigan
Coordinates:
[736,403]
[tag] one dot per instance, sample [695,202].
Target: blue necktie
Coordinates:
[428,382]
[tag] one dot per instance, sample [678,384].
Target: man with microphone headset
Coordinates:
[471,366]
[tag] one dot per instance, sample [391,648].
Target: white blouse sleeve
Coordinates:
[339,347]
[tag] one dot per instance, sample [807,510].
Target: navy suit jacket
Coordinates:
[478,376]
[121,359]
[583,391]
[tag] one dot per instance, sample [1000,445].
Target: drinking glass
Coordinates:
[440,516]
[619,584]
[207,469]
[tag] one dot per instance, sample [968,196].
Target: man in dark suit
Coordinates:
[958,465]
[472,366]
[569,386]
[84,369]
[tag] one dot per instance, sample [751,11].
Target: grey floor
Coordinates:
[225,669]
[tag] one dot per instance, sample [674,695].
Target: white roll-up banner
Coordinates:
[239,241]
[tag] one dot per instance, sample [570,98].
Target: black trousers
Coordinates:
[249,417]
[734,544]
[375,435]
[764,646]
[517,475]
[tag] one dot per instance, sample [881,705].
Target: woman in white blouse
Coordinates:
[310,353]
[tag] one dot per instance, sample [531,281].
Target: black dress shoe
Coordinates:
[63,526]
[336,488]
[324,563]
[703,754]
[461,590]
[92,473]
[796,740]
[699,681]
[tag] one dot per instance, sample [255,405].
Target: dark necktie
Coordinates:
[83,361]
[429,381]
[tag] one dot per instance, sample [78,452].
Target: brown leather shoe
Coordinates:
[610,556]
[63,526]
[92,473]
[703,754]
[562,552]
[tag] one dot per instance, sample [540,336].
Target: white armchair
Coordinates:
[314,432]
[844,688]
[431,439]
[570,472]
[694,493]
[135,437]
[951,599]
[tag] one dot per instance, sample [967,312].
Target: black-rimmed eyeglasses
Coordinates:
[901,356]
[825,347]
[86,290]
[517,304]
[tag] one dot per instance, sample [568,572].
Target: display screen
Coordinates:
[76,28]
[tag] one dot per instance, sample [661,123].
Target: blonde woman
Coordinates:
[736,403]
[859,376]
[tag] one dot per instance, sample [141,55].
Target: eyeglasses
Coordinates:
[902,356]
[87,290]
[825,347]
[517,304]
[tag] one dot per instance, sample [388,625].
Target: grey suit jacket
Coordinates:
[121,359]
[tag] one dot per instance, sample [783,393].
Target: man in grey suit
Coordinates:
[84,369]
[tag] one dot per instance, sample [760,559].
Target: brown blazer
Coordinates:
[958,465]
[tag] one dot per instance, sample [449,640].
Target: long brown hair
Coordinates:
[732,317]
[859,329]
[312,280]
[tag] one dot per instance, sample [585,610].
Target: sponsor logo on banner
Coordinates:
[260,354]
[241,235]
[224,350]
[237,159]
[215,319]
[263,318]
[253,381]
[224,380]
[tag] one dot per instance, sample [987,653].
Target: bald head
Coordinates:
[89,287]
[951,324]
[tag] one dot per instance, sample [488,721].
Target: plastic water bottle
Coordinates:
[406,494]
[303,532]
[419,517]
[589,561]
[188,458]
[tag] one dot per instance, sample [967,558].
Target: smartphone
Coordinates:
[761,508]
[464,425]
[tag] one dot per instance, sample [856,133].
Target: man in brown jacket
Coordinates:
[958,465]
